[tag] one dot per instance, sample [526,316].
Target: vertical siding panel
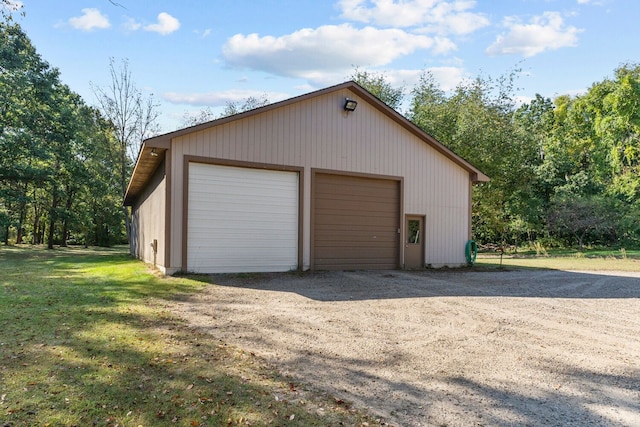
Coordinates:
[245,140]
[322,149]
[251,137]
[295,143]
[199,140]
[236,132]
[294,153]
[268,137]
[326,150]
[280,134]
[291,135]
[176,205]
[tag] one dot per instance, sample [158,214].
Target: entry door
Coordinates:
[414,243]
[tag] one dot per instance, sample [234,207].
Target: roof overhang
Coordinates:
[151,155]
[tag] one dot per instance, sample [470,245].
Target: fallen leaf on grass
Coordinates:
[190,386]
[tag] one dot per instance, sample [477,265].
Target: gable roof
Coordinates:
[153,149]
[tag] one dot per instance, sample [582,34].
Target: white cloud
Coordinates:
[167,24]
[217,99]
[329,49]
[542,33]
[437,16]
[131,24]
[91,19]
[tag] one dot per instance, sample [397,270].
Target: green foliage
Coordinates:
[477,121]
[56,179]
[581,217]
[377,84]
[567,169]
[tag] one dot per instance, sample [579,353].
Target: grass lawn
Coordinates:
[593,260]
[85,339]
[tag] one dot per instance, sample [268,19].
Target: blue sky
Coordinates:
[197,54]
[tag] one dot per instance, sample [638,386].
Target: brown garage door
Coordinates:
[355,223]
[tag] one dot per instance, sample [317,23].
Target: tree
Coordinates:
[134,118]
[26,84]
[618,125]
[8,8]
[377,84]
[580,216]
[250,103]
[232,107]
[56,177]
[477,121]
[203,116]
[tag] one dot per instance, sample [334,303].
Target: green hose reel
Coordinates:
[471,252]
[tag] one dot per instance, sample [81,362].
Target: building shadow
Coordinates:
[371,285]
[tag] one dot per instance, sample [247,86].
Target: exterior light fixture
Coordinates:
[154,153]
[350,104]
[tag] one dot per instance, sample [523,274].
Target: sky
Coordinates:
[193,55]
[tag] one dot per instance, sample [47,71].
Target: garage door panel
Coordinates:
[352,240]
[357,263]
[357,206]
[344,192]
[355,222]
[355,251]
[241,219]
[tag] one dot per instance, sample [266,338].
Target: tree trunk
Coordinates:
[123,183]
[65,222]
[6,236]
[37,239]
[52,220]
[22,218]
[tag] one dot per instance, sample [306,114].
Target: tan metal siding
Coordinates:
[148,221]
[355,223]
[317,133]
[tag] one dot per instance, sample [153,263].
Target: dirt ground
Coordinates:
[444,348]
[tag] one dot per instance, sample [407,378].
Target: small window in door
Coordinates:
[413,234]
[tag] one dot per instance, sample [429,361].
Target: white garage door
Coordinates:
[241,219]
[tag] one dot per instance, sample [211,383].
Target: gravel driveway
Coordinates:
[500,348]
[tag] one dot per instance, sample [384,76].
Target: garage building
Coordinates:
[306,183]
